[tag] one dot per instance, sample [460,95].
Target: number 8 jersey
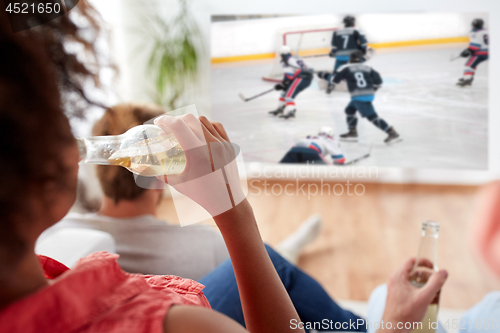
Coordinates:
[362,81]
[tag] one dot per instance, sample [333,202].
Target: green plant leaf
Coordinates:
[174,46]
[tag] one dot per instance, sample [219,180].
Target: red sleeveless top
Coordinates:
[98,296]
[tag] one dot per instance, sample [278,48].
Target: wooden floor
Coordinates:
[365,238]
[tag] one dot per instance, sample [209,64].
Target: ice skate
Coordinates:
[464,82]
[290,114]
[278,111]
[393,137]
[351,136]
[330,87]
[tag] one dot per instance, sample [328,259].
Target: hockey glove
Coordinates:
[280,86]
[323,75]
[466,53]
[332,53]
[363,50]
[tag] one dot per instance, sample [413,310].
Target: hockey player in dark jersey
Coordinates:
[298,76]
[315,149]
[477,52]
[362,82]
[344,42]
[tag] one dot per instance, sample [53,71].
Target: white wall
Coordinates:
[126,21]
[258,36]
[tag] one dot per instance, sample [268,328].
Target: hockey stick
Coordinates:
[453,58]
[240,95]
[357,159]
[362,157]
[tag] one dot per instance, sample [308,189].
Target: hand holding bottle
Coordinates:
[211,176]
[407,303]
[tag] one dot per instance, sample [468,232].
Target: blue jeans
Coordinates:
[310,299]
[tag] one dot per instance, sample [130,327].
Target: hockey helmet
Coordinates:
[478,23]
[349,21]
[356,56]
[326,130]
[285,49]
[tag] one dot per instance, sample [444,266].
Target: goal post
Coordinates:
[312,43]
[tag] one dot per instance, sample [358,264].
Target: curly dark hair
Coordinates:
[39,80]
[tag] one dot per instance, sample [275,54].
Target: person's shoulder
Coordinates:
[128,294]
[362,67]
[343,31]
[353,67]
[106,264]
[88,218]
[112,224]
[344,68]
[71,216]
[178,284]
[74,220]
[359,31]
[176,233]
[492,298]
[487,308]
[202,230]
[186,319]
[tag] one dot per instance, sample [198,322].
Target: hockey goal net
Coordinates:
[311,43]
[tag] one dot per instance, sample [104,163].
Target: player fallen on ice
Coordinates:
[314,149]
[298,76]
[362,82]
[477,52]
[344,42]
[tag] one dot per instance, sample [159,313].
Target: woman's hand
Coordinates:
[406,303]
[211,176]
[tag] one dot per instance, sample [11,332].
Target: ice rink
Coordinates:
[442,125]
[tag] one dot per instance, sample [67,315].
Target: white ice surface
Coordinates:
[442,125]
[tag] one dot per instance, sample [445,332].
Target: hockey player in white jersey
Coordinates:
[477,52]
[315,149]
[298,76]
